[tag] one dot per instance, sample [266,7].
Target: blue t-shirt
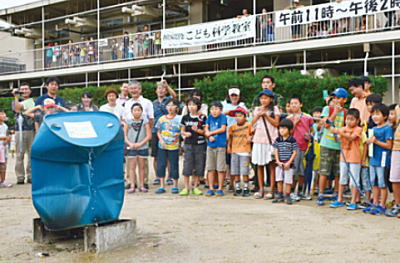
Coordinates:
[215,124]
[382,134]
[58,100]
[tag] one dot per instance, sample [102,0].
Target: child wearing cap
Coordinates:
[265,122]
[215,131]
[39,112]
[330,147]
[239,146]
[302,130]
[285,149]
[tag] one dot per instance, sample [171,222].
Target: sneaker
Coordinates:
[210,193]
[320,200]
[307,197]
[363,205]
[156,182]
[146,186]
[238,192]
[197,191]
[29,180]
[174,190]
[206,186]
[336,204]
[368,208]
[301,196]
[278,198]
[246,193]
[170,181]
[269,195]
[294,197]
[130,190]
[231,188]
[394,212]
[379,210]
[160,190]
[220,193]
[288,200]
[216,186]
[352,206]
[6,185]
[143,190]
[184,192]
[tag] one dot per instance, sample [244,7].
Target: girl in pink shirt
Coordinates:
[265,123]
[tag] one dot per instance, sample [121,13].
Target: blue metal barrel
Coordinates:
[77,169]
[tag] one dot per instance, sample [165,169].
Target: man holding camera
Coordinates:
[24,131]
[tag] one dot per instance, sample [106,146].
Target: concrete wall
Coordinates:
[19,48]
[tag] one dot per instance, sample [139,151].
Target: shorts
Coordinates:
[346,169]
[239,164]
[228,158]
[330,160]
[216,159]
[395,167]
[365,180]
[154,145]
[194,159]
[261,154]
[3,166]
[299,165]
[284,175]
[138,153]
[377,176]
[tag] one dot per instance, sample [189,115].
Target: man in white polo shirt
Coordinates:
[135,90]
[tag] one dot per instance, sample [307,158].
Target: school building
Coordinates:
[84,42]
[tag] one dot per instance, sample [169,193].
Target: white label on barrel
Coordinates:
[80,130]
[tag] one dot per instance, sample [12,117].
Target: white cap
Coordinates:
[296,1]
[234,91]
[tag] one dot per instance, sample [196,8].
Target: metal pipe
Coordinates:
[254,64]
[393,71]
[304,60]
[179,81]
[366,63]
[98,31]
[43,39]
[163,13]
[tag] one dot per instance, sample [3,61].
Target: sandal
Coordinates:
[259,195]
[143,190]
[131,190]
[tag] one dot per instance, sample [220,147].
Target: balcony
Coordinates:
[146,45]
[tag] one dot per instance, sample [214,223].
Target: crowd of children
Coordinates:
[331,153]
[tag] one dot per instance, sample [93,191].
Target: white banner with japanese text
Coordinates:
[333,11]
[209,33]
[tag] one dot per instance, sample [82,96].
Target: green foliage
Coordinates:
[5,104]
[288,83]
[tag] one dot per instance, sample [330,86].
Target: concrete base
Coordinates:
[96,239]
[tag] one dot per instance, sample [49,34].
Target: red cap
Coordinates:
[238,109]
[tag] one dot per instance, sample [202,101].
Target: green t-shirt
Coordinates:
[328,138]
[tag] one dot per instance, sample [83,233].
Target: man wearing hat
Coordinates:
[330,147]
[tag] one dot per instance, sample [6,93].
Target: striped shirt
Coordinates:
[285,147]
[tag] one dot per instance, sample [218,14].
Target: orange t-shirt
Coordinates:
[239,135]
[351,148]
[361,106]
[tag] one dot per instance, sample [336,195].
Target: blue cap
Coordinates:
[340,93]
[267,92]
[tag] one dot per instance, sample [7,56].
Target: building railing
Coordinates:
[145,45]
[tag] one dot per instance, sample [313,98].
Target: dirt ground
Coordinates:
[200,229]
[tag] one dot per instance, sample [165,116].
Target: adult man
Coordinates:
[268,82]
[159,110]
[356,87]
[123,96]
[135,90]
[52,84]
[24,131]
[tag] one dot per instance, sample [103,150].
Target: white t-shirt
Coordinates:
[148,110]
[3,149]
[117,110]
